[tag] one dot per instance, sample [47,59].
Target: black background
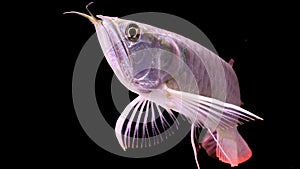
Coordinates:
[257,36]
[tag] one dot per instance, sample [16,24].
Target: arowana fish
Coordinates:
[163,68]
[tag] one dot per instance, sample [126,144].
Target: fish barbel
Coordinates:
[177,74]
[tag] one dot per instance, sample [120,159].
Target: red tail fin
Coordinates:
[232,148]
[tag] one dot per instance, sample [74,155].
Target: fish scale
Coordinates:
[199,71]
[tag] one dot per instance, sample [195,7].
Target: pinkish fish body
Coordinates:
[177,74]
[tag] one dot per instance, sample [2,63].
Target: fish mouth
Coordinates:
[112,43]
[99,20]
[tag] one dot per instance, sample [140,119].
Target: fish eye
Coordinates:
[132,32]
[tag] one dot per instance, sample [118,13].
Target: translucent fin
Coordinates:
[121,121]
[132,130]
[232,148]
[194,145]
[208,112]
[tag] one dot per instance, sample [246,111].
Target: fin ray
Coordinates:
[140,110]
[209,111]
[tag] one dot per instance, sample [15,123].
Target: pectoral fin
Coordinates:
[132,129]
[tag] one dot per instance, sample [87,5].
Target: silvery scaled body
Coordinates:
[174,73]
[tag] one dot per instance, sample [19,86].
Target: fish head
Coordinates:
[130,49]
[133,51]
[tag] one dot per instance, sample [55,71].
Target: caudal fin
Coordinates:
[231,147]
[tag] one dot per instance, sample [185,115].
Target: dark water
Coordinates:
[249,34]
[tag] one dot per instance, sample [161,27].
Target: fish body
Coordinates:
[175,73]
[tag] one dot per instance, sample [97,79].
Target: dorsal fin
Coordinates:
[231,61]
